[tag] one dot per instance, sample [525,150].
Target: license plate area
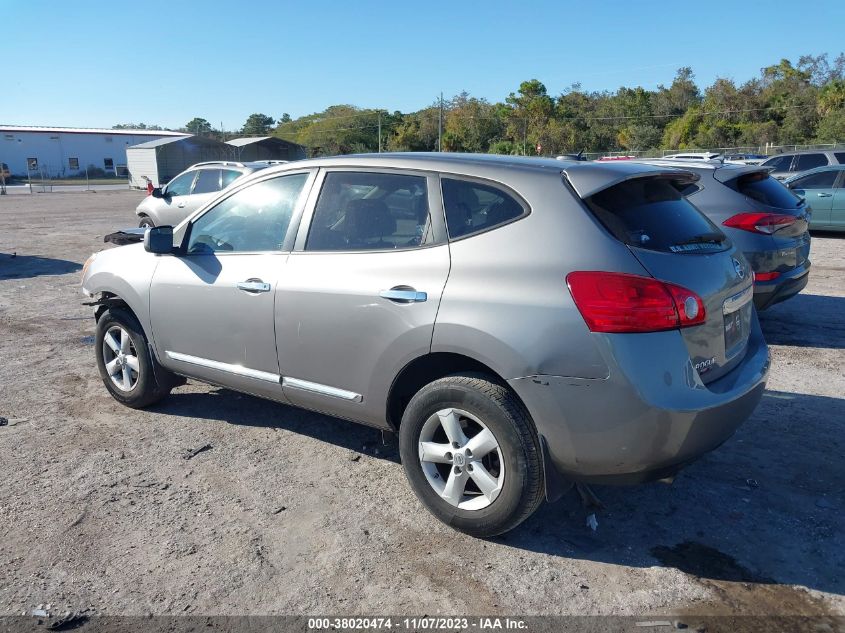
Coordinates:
[735,324]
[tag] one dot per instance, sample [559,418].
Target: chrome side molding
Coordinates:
[238,370]
[324,390]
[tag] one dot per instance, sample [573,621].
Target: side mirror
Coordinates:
[159,240]
[156,193]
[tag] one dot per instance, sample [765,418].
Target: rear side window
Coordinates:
[763,188]
[810,161]
[472,207]
[651,213]
[208,181]
[820,180]
[364,211]
[779,163]
[229,175]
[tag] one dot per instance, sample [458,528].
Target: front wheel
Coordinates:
[146,222]
[124,360]
[471,454]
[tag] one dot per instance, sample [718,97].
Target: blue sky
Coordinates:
[101,63]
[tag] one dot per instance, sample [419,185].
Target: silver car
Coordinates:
[520,323]
[190,190]
[789,164]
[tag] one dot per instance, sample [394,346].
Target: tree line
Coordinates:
[787,104]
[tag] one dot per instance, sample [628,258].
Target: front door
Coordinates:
[211,307]
[361,290]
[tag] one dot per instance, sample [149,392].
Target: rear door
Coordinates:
[361,290]
[675,242]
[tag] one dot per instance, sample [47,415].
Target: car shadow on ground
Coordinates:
[244,410]
[806,320]
[749,513]
[765,508]
[27,266]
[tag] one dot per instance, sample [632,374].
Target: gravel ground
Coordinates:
[290,512]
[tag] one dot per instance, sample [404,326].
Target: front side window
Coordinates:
[810,161]
[253,219]
[181,185]
[370,211]
[472,207]
[820,180]
[840,156]
[208,181]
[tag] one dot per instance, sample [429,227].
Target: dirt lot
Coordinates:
[292,512]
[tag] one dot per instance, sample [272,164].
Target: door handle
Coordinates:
[181,205]
[404,294]
[824,195]
[253,286]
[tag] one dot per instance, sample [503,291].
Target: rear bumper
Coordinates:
[768,293]
[650,417]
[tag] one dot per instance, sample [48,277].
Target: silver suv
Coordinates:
[789,164]
[190,190]
[520,323]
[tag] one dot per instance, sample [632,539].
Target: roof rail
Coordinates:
[219,162]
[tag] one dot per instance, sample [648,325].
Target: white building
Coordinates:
[58,152]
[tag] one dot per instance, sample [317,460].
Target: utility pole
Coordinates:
[379,131]
[440,127]
[524,135]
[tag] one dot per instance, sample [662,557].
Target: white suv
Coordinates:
[190,190]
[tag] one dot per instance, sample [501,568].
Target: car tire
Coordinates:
[463,496]
[125,362]
[146,222]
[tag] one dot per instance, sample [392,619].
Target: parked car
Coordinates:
[824,190]
[745,159]
[694,156]
[768,223]
[789,164]
[536,321]
[191,189]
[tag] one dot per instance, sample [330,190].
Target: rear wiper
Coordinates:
[704,238]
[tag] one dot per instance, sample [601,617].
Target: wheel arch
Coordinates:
[428,368]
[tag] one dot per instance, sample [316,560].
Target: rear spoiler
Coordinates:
[724,175]
[125,236]
[589,179]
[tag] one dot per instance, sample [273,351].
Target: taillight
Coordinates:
[766,276]
[766,223]
[619,302]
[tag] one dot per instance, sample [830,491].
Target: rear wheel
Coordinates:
[472,455]
[124,360]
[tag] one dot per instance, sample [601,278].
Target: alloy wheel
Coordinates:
[461,459]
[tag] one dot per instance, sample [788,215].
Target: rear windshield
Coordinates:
[651,213]
[763,188]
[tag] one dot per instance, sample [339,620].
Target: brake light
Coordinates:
[766,276]
[619,302]
[766,223]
